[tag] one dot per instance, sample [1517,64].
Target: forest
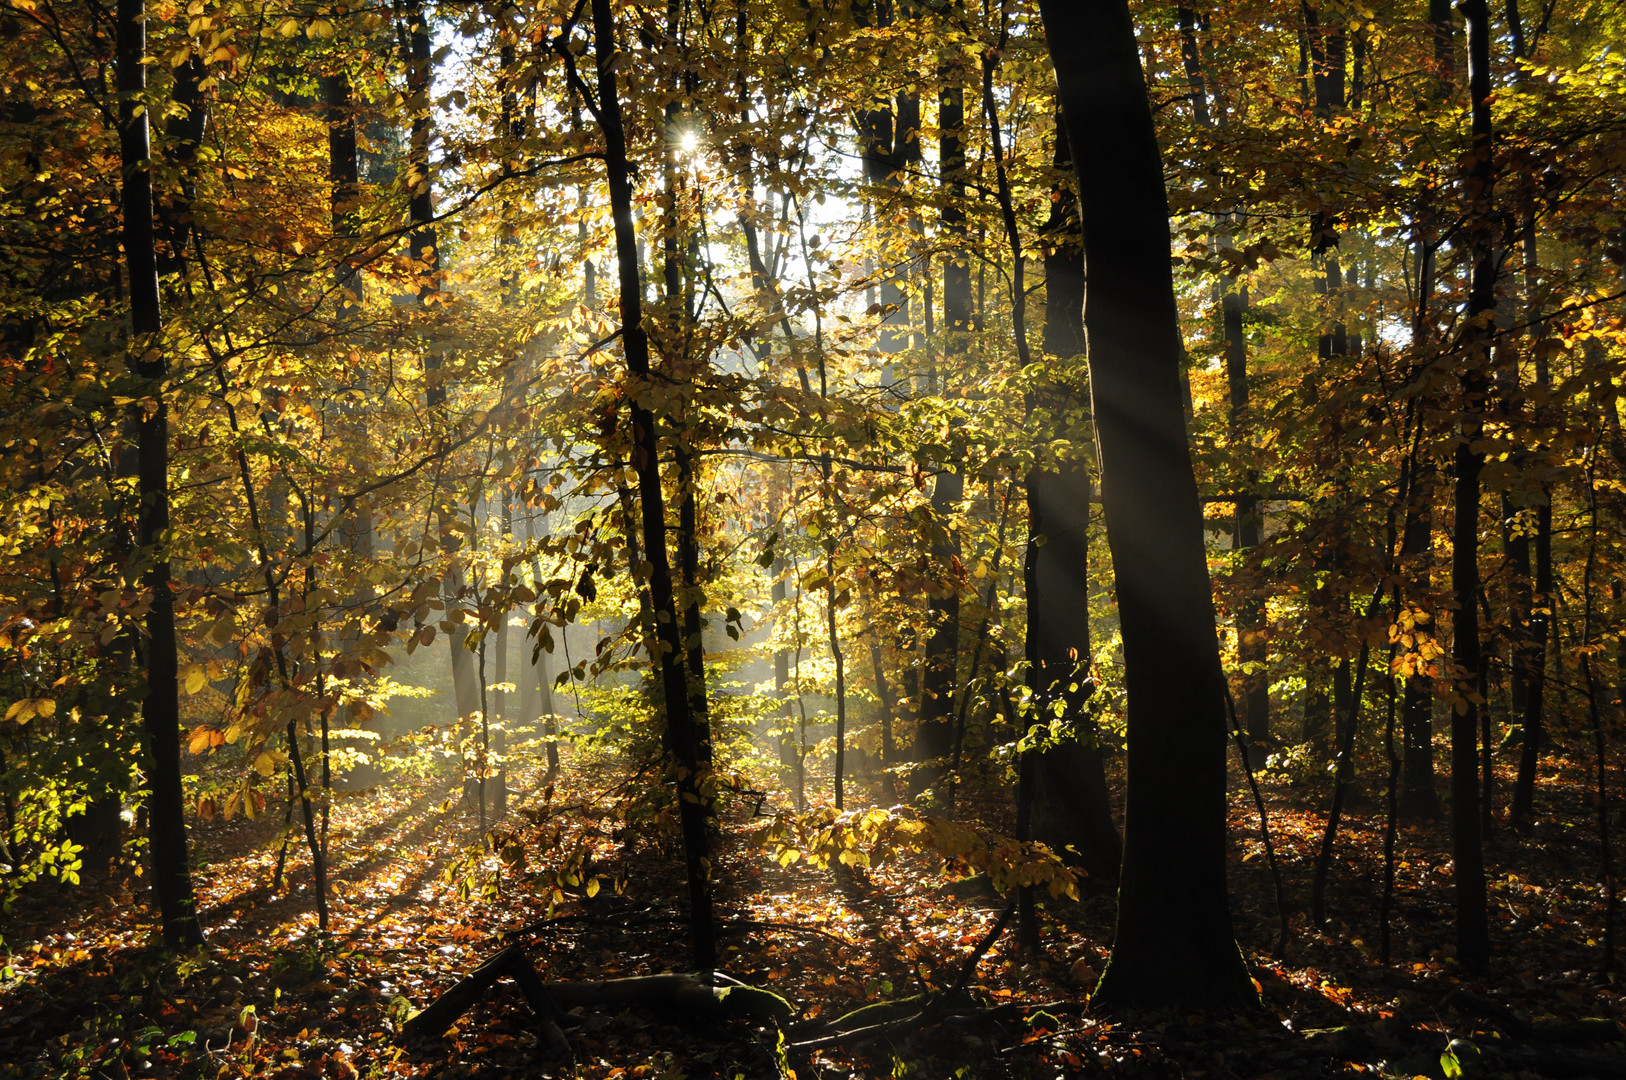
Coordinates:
[812,538]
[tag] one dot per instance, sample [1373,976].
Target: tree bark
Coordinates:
[161,708]
[1174,946]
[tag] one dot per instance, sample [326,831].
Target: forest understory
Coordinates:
[85,995]
[611,539]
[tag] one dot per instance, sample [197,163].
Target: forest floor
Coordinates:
[83,994]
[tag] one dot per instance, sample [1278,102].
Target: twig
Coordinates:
[1264,823]
[988,939]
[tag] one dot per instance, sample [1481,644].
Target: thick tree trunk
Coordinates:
[663,633]
[1174,946]
[161,708]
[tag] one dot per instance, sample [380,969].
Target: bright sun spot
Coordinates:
[690,142]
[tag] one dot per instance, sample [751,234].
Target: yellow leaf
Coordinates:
[195,678]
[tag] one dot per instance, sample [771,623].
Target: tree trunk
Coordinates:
[345,175]
[889,141]
[790,741]
[663,634]
[1174,946]
[1473,932]
[161,709]
[1533,660]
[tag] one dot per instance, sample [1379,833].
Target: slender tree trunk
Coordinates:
[536,704]
[499,776]
[161,709]
[1174,946]
[693,625]
[663,632]
[423,244]
[1473,931]
[1531,662]
[1600,747]
[790,744]
[345,175]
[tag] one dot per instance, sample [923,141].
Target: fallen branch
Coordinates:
[447,1009]
[550,1000]
[688,992]
[970,966]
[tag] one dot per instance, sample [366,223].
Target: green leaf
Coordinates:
[1461,1060]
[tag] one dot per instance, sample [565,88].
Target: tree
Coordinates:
[664,641]
[1173,945]
[160,713]
[1468,874]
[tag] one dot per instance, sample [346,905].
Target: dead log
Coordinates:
[447,1009]
[692,993]
[696,993]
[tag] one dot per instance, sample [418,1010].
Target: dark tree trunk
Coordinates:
[889,142]
[693,623]
[1532,660]
[663,628]
[161,708]
[1070,805]
[1473,933]
[345,175]
[1174,946]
